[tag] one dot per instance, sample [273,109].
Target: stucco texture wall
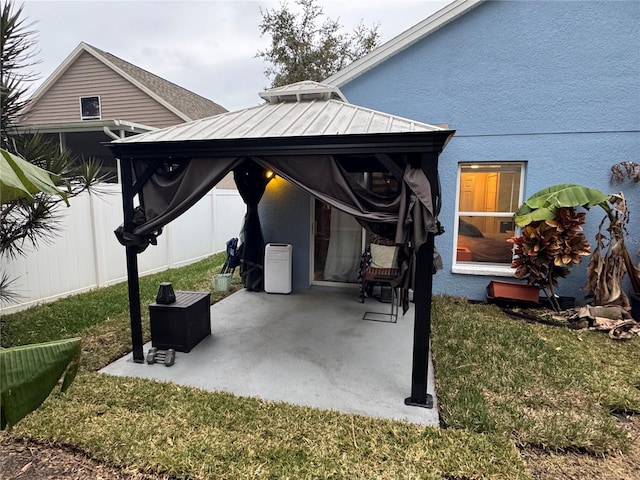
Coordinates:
[554,84]
[285,212]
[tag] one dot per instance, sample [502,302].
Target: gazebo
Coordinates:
[308,134]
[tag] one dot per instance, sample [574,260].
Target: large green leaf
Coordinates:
[543,205]
[21,179]
[29,373]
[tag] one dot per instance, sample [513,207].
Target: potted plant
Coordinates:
[552,241]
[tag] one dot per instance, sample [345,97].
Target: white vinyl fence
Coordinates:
[86,253]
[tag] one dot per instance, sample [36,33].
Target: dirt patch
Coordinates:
[614,320]
[572,466]
[27,460]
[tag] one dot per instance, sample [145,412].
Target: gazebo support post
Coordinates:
[134,305]
[423,289]
[422,326]
[132,262]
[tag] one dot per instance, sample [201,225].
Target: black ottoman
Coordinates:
[182,324]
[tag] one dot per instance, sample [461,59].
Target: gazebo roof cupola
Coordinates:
[302,92]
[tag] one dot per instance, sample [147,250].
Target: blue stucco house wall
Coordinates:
[285,211]
[553,84]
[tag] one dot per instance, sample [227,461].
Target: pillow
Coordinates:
[383,256]
[468,229]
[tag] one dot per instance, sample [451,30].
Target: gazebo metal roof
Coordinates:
[297,110]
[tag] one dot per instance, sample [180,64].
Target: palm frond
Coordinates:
[8,294]
[26,224]
[17,54]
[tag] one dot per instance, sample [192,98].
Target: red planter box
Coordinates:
[513,291]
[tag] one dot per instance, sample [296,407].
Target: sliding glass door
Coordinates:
[337,245]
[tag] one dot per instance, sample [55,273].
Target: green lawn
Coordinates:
[503,385]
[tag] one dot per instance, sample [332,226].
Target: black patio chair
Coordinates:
[378,267]
[233,257]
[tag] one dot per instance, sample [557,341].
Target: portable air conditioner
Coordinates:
[277,268]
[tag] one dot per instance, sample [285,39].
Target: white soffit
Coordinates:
[300,109]
[84,126]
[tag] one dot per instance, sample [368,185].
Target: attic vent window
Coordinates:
[90,108]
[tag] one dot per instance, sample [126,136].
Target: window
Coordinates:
[90,108]
[488,196]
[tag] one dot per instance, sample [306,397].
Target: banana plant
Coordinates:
[29,373]
[21,179]
[544,205]
[553,207]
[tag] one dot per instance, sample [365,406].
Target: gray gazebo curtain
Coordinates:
[323,177]
[251,180]
[176,186]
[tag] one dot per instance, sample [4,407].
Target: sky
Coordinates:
[206,46]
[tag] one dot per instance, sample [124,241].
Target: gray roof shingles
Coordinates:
[191,104]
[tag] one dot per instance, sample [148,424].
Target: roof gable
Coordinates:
[182,102]
[416,33]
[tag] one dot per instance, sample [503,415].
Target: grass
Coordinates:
[190,433]
[101,316]
[502,385]
[543,386]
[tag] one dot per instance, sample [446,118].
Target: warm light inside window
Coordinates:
[489,194]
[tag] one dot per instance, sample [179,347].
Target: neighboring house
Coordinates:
[539,93]
[94,97]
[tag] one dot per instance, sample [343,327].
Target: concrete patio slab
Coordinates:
[308,348]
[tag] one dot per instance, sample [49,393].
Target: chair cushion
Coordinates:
[383,256]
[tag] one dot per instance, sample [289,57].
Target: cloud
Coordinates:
[206,46]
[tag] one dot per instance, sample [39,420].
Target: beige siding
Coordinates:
[227,182]
[119,99]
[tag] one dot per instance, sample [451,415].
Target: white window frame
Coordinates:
[483,268]
[92,117]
